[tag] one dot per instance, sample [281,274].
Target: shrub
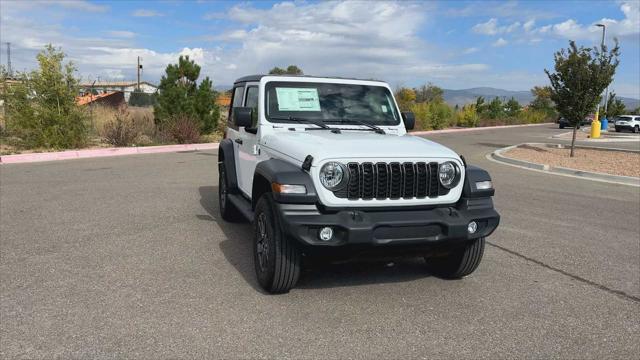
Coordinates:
[121,131]
[41,108]
[467,116]
[183,129]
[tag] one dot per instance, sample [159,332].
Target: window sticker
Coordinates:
[298,99]
[384,109]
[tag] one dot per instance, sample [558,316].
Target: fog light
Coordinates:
[472,227]
[326,233]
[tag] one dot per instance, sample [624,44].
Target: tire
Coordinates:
[561,126]
[636,129]
[617,130]
[228,211]
[276,257]
[459,263]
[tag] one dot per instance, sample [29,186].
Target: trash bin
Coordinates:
[604,124]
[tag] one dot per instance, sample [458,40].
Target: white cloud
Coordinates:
[500,42]
[356,39]
[528,26]
[629,26]
[146,13]
[491,27]
[82,5]
[470,50]
[488,28]
[122,33]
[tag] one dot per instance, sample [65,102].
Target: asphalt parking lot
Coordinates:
[127,257]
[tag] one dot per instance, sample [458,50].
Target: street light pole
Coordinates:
[605,123]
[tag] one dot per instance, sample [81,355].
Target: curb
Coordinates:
[558,170]
[93,153]
[446,131]
[610,138]
[498,156]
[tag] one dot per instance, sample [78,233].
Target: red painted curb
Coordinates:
[445,131]
[91,153]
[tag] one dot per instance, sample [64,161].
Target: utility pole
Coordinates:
[138,71]
[9,70]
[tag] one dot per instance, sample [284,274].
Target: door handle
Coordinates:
[239,141]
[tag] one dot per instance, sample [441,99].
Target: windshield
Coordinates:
[330,103]
[625,118]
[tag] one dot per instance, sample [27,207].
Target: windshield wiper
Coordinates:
[375,128]
[308,121]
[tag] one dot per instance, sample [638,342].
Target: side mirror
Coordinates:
[242,116]
[409,120]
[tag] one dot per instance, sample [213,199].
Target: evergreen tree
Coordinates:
[180,95]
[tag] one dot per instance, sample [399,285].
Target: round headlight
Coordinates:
[449,174]
[333,175]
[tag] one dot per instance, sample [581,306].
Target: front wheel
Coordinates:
[458,263]
[276,256]
[228,211]
[636,129]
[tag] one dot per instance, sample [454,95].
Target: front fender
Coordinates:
[282,172]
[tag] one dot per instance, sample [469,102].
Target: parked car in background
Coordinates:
[563,123]
[628,122]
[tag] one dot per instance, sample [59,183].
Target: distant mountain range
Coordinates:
[467,96]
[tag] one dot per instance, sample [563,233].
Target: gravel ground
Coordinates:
[603,161]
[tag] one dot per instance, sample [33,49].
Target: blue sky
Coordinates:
[455,44]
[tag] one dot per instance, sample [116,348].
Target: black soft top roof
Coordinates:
[257,77]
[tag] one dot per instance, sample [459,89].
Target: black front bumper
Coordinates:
[445,225]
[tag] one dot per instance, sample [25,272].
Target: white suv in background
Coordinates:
[628,122]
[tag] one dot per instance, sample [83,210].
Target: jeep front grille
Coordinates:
[392,181]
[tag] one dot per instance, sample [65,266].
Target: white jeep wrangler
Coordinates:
[325,167]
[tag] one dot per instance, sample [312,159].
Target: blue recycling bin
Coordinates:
[604,124]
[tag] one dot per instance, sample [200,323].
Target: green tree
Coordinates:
[405,98]
[495,109]
[180,95]
[480,105]
[41,108]
[512,107]
[290,70]
[615,106]
[468,116]
[580,76]
[429,93]
[542,101]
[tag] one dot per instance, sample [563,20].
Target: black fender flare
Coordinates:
[282,172]
[226,158]
[475,174]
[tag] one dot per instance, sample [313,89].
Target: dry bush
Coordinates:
[100,117]
[120,131]
[143,118]
[183,129]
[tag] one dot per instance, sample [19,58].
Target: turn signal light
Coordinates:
[288,188]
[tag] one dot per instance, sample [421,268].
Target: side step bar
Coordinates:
[243,205]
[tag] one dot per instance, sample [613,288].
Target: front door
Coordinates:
[248,143]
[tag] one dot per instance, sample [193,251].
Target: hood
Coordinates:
[352,144]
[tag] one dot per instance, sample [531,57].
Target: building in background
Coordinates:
[126,87]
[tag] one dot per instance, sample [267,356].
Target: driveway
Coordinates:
[127,257]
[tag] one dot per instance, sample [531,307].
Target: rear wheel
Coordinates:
[458,263]
[228,211]
[276,256]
